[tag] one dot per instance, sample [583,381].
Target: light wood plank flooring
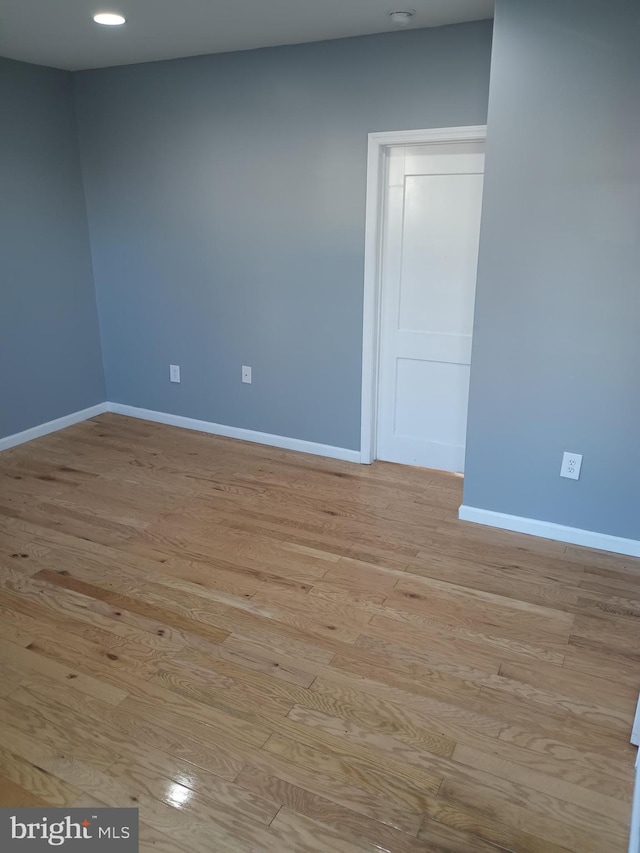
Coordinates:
[270,651]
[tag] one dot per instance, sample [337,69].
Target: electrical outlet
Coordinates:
[174,372]
[571,464]
[246,374]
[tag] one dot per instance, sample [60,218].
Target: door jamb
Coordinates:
[378,147]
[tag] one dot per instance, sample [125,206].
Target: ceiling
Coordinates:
[61,33]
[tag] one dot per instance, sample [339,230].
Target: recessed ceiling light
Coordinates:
[401,19]
[108,19]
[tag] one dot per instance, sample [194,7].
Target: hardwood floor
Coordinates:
[270,651]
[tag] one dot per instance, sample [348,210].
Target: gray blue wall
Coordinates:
[226,208]
[50,359]
[556,352]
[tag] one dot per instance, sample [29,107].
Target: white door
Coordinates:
[428,277]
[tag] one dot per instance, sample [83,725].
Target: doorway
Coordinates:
[424,198]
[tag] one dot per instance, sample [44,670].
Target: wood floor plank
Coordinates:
[14,796]
[203,801]
[451,719]
[405,795]
[299,832]
[616,702]
[397,622]
[187,753]
[505,580]
[412,677]
[35,780]
[61,763]
[418,754]
[602,665]
[567,791]
[530,828]
[152,841]
[350,794]
[34,723]
[28,659]
[352,824]
[488,828]
[112,604]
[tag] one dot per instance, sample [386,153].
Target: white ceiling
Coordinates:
[62,33]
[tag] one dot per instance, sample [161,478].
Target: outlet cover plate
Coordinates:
[571,464]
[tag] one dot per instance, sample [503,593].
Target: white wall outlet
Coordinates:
[174,372]
[246,374]
[571,464]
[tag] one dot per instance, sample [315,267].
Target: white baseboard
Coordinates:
[52,426]
[549,530]
[186,423]
[236,432]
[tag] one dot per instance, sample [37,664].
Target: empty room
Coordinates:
[319,518]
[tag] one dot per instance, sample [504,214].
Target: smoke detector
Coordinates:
[401,18]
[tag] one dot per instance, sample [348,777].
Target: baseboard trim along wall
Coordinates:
[549,530]
[236,432]
[52,426]
[186,423]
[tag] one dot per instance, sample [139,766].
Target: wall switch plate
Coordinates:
[571,464]
[246,374]
[174,372]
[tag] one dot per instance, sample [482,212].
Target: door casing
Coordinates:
[378,147]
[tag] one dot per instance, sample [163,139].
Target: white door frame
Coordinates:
[379,145]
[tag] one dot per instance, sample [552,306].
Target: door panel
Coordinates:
[430,253]
[441,229]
